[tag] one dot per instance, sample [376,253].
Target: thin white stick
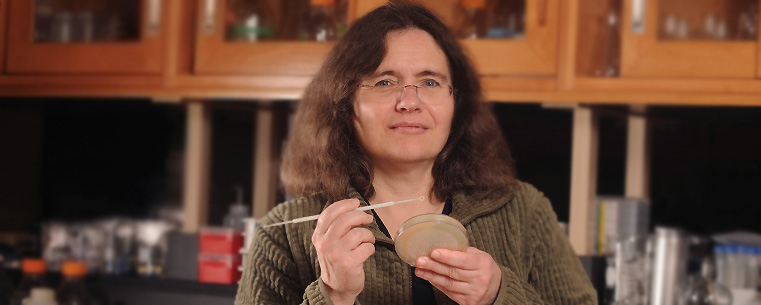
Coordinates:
[370,207]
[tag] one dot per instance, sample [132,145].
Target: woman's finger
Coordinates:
[346,221]
[358,236]
[428,264]
[443,282]
[330,213]
[461,260]
[364,251]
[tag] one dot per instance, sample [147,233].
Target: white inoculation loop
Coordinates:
[365,208]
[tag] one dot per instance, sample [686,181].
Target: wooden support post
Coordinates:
[197,160]
[583,180]
[638,155]
[266,160]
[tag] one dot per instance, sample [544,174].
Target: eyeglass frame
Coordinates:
[452,90]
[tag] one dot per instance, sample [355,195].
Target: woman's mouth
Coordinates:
[409,128]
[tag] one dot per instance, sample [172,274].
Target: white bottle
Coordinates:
[238,212]
[757,270]
[322,25]
[749,261]
[736,268]
[720,253]
[41,296]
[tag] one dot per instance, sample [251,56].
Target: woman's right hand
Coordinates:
[342,249]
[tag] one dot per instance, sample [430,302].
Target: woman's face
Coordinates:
[411,127]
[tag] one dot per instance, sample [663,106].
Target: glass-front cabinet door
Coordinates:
[85,36]
[690,39]
[268,37]
[505,37]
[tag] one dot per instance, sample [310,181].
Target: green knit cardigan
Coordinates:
[519,230]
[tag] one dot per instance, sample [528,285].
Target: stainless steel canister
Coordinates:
[669,266]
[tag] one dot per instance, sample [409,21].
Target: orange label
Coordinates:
[31,265]
[73,269]
[473,3]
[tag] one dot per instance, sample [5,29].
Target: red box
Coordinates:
[219,269]
[218,240]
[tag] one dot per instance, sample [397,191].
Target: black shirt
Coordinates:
[422,290]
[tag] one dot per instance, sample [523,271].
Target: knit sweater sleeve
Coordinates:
[271,275]
[555,274]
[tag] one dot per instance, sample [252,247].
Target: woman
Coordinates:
[396,113]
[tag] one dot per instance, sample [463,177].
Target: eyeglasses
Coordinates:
[428,90]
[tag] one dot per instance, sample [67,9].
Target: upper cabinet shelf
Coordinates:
[85,36]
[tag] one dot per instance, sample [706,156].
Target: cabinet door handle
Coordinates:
[543,7]
[154,17]
[638,9]
[209,16]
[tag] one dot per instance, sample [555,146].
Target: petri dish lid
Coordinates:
[419,235]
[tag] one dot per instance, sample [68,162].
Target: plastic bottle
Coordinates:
[251,23]
[757,271]
[735,268]
[41,296]
[720,253]
[749,261]
[472,21]
[322,25]
[238,212]
[504,21]
[34,277]
[73,290]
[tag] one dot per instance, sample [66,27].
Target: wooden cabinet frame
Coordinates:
[534,55]
[27,57]
[215,55]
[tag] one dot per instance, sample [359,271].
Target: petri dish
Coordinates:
[419,235]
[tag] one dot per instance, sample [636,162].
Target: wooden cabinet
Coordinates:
[688,39]
[85,37]
[552,51]
[246,37]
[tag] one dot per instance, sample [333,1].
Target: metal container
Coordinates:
[669,266]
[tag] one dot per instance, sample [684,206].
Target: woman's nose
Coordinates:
[408,102]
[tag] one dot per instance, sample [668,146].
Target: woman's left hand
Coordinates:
[470,277]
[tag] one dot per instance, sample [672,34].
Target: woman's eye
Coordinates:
[384,83]
[430,83]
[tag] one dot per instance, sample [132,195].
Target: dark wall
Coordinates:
[103,158]
[540,142]
[21,128]
[706,168]
[232,156]
[82,159]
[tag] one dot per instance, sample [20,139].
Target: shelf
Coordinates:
[166,285]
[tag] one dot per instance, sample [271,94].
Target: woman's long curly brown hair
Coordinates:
[323,154]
